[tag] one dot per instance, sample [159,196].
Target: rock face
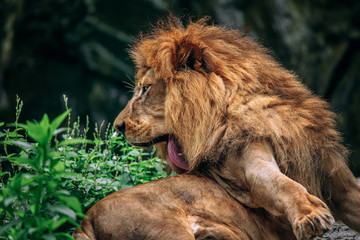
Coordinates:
[79,48]
[340,231]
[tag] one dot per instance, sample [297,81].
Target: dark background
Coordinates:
[79,48]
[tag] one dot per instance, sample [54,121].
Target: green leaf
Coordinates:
[42,132]
[52,185]
[72,202]
[62,192]
[14,134]
[26,179]
[21,180]
[9,200]
[63,235]
[58,223]
[45,122]
[58,120]
[60,130]
[4,173]
[75,141]
[63,210]
[48,237]
[32,208]
[8,226]
[20,213]
[89,201]
[134,153]
[22,160]
[59,166]
[23,145]
[38,133]
[2,124]
[98,141]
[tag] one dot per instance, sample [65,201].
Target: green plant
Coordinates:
[58,173]
[33,205]
[108,165]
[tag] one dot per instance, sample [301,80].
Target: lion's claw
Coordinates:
[313,224]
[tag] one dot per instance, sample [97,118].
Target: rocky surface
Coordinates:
[340,231]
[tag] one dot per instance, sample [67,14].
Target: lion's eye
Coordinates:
[145,88]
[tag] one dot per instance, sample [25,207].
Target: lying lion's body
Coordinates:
[206,211]
[245,121]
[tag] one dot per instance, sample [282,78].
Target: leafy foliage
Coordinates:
[58,173]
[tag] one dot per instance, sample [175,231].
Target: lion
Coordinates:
[220,109]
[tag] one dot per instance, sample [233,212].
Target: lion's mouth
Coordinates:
[174,156]
[155,140]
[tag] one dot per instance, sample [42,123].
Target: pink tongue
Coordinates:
[176,162]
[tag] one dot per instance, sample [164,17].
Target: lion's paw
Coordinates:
[315,223]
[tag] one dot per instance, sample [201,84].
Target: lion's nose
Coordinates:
[121,128]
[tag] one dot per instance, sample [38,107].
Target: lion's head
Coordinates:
[178,99]
[143,120]
[204,90]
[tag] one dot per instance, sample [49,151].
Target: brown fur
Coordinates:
[170,209]
[241,95]
[244,121]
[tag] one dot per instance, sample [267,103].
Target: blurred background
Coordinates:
[49,48]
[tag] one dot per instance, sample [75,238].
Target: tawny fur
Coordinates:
[240,94]
[246,126]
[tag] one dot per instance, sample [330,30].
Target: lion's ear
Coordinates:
[188,55]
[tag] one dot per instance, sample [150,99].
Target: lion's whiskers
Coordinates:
[130,84]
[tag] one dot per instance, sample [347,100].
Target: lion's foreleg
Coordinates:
[280,195]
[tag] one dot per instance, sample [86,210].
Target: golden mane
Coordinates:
[225,91]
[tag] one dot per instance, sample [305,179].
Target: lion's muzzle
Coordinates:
[120,128]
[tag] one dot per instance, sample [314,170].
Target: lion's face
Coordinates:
[179,98]
[143,119]
[143,123]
